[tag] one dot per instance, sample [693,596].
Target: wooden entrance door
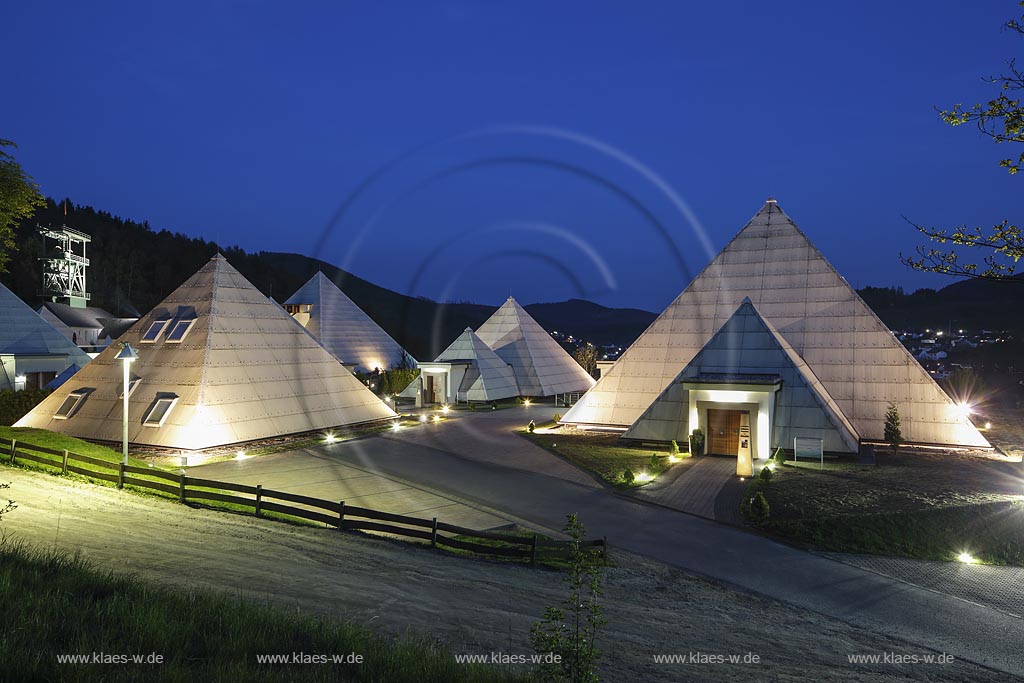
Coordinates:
[724,431]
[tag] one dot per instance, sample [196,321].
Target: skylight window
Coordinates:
[159,411]
[132,383]
[179,330]
[154,331]
[70,405]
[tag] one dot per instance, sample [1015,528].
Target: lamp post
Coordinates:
[126,355]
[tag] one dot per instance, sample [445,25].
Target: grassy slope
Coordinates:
[600,453]
[46,439]
[848,508]
[56,604]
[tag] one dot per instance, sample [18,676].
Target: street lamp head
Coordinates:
[127,353]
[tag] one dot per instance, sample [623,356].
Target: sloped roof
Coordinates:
[541,365]
[25,333]
[489,378]
[245,370]
[747,345]
[344,329]
[89,316]
[855,356]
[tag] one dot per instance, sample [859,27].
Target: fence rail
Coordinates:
[331,513]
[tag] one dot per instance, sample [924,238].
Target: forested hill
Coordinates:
[133,267]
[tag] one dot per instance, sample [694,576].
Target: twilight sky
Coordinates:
[465,150]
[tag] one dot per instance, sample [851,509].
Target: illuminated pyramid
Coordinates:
[219,363]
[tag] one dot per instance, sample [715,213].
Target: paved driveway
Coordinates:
[513,475]
[320,474]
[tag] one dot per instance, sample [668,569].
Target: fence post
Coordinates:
[14,448]
[259,499]
[341,514]
[120,475]
[533,550]
[64,465]
[181,488]
[433,534]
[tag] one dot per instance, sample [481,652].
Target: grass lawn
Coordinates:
[47,439]
[602,454]
[923,505]
[56,604]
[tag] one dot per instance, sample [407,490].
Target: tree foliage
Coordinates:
[1002,120]
[586,355]
[19,199]
[570,631]
[893,436]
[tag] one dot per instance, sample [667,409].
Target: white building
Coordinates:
[770,337]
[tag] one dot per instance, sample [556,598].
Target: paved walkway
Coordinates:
[319,474]
[999,587]
[695,488]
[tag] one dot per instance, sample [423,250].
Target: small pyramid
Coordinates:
[856,357]
[747,349]
[218,364]
[343,328]
[541,365]
[24,332]
[490,378]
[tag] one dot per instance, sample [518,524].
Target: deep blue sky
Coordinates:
[517,126]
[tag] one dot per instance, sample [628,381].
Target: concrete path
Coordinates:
[320,475]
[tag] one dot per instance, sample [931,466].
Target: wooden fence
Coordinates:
[332,513]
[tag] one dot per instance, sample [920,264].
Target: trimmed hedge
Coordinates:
[14,404]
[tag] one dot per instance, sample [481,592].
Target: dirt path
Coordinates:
[476,606]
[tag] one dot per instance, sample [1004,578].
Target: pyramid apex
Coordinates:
[746,300]
[218,257]
[468,329]
[771,200]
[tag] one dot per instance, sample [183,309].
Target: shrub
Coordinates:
[893,435]
[557,418]
[571,630]
[657,463]
[696,442]
[758,511]
[532,426]
[765,474]
[675,448]
[780,456]
[628,476]
[14,404]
